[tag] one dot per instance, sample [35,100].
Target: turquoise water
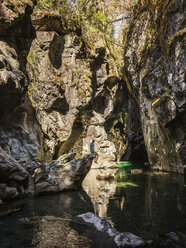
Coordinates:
[147,204]
[124,163]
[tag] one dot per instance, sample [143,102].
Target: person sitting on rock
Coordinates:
[92,150]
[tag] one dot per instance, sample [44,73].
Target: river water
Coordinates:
[146,204]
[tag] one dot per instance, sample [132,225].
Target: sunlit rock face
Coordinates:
[75,96]
[154,70]
[65,173]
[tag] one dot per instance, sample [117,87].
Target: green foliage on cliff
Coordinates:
[48,4]
[32,61]
[100,23]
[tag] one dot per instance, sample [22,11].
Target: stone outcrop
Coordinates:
[16,33]
[65,173]
[13,15]
[55,97]
[154,71]
[69,98]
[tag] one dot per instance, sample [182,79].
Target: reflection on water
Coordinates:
[100,191]
[43,223]
[155,203]
[148,205]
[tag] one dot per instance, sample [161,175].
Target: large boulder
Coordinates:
[102,233]
[65,173]
[154,70]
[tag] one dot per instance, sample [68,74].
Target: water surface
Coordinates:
[147,204]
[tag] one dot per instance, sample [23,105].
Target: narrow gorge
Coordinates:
[67,78]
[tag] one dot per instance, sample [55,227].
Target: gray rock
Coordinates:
[154,70]
[75,99]
[65,173]
[7,192]
[102,233]
[10,169]
[20,135]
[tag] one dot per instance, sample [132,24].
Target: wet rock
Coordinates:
[102,233]
[11,207]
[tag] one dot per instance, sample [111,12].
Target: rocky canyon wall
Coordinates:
[155,74]
[75,95]
[54,98]
[20,134]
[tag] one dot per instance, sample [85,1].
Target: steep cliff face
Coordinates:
[54,97]
[19,131]
[20,135]
[76,97]
[154,71]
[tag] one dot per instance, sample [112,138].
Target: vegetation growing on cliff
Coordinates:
[32,61]
[101,23]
